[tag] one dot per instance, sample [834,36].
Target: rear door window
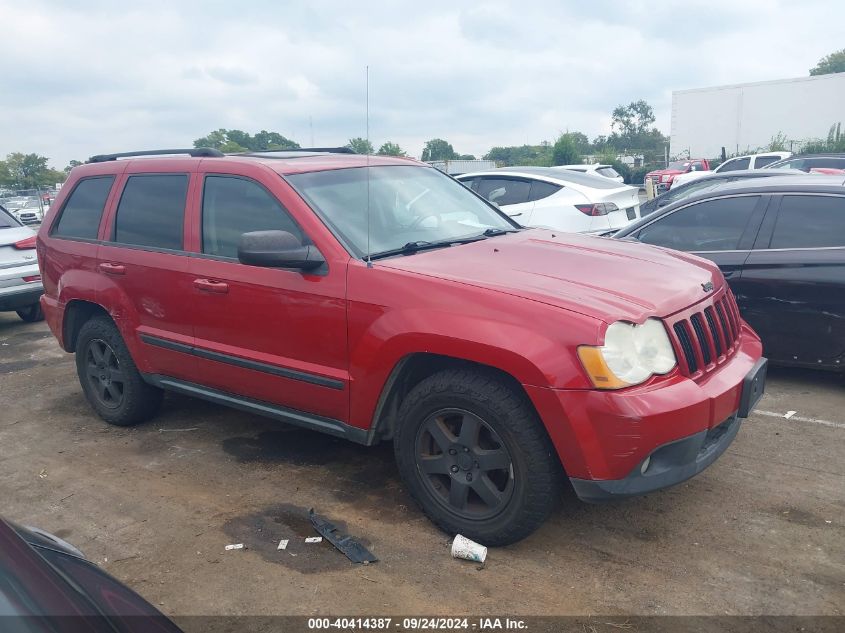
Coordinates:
[80,217]
[810,222]
[232,206]
[152,211]
[504,191]
[762,161]
[736,163]
[711,225]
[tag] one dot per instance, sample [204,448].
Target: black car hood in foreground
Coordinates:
[46,585]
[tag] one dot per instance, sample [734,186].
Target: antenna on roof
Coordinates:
[367,100]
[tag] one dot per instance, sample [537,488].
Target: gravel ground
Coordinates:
[760,532]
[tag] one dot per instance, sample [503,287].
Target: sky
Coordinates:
[84,78]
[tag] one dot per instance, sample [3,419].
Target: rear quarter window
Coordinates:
[541,189]
[80,217]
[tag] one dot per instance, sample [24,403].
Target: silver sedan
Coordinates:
[20,280]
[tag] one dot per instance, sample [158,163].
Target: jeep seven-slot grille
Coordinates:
[708,335]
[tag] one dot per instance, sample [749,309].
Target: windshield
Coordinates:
[406,204]
[678,165]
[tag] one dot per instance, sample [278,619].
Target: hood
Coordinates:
[598,277]
[664,172]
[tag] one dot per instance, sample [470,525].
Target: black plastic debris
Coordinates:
[353,550]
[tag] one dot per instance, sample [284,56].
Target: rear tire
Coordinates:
[475,456]
[112,384]
[31,313]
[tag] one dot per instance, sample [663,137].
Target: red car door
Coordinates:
[144,269]
[272,335]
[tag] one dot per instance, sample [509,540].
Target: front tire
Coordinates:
[31,313]
[475,456]
[112,384]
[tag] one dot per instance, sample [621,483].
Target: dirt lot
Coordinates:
[760,532]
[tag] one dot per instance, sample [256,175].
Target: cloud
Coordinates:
[86,78]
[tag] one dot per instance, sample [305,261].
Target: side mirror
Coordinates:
[278,249]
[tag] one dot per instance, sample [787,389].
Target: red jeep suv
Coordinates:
[375,298]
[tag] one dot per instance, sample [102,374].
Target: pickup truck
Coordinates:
[662,178]
[739,163]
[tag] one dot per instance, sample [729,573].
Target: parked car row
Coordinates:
[709,180]
[780,243]
[740,163]
[28,210]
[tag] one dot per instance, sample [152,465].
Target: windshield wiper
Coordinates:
[422,245]
[491,232]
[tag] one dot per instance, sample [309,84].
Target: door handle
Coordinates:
[515,215]
[730,274]
[112,269]
[207,285]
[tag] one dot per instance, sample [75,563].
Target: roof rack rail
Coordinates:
[328,150]
[193,151]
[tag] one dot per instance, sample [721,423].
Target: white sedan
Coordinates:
[556,198]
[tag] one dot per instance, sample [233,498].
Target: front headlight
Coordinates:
[665,177]
[631,354]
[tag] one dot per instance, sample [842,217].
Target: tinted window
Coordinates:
[233,206]
[737,163]
[762,161]
[540,190]
[713,225]
[152,211]
[83,210]
[504,191]
[810,221]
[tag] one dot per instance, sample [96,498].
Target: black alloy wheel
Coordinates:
[104,374]
[464,464]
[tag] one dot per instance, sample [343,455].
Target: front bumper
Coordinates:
[604,437]
[668,465]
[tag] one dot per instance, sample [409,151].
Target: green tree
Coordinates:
[533,155]
[360,145]
[633,119]
[581,141]
[25,169]
[72,164]
[833,63]
[565,151]
[232,141]
[466,157]
[5,175]
[438,149]
[391,149]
